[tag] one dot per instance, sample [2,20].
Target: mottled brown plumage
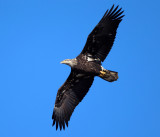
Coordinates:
[86,66]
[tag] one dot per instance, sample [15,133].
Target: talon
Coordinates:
[102,73]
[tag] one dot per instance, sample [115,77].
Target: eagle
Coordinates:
[86,66]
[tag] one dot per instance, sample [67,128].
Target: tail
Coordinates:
[108,75]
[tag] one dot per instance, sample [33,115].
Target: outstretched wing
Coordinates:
[68,97]
[100,40]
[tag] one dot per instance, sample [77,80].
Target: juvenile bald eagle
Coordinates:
[86,66]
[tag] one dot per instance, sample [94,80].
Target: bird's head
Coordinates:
[70,62]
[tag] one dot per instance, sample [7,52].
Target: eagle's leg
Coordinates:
[108,75]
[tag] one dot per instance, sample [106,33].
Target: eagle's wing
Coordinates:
[68,97]
[100,40]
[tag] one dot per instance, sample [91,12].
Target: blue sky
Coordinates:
[36,35]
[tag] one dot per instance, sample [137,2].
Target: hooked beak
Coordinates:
[63,62]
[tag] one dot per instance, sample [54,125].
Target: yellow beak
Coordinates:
[63,62]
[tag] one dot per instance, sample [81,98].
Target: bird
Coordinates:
[86,66]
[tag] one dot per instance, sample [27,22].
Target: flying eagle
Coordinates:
[86,66]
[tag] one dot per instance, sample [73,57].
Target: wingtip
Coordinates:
[60,125]
[112,6]
[63,126]
[110,11]
[117,6]
[66,123]
[56,125]
[53,122]
[116,13]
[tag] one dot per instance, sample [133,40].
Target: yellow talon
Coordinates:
[102,73]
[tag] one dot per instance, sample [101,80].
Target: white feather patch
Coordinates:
[90,59]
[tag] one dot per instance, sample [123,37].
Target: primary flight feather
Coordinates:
[86,66]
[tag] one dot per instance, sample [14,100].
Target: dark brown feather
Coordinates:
[100,40]
[68,97]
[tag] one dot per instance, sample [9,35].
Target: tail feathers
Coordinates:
[108,75]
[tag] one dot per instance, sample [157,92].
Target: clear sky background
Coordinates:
[35,35]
